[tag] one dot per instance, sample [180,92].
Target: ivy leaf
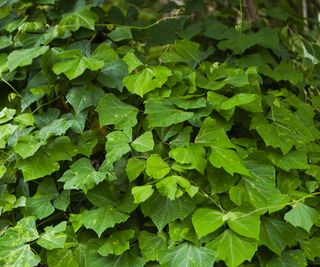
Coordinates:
[24,57]
[135,167]
[57,127]
[244,224]
[276,234]
[6,114]
[250,102]
[286,72]
[82,17]
[156,167]
[289,258]
[163,113]
[40,205]
[212,134]
[292,160]
[188,255]
[61,257]
[232,248]
[120,33]
[311,247]
[169,186]
[81,175]
[228,159]
[61,148]
[127,259]
[132,61]
[75,63]
[84,96]
[303,216]
[23,232]
[206,221]
[117,243]
[152,245]
[113,111]
[27,146]
[98,219]
[162,210]
[144,142]
[39,165]
[193,154]
[188,50]
[142,193]
[18,256]
[147,80]
[53,236]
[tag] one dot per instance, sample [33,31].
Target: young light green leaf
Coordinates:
[6,114]
[53,236]
[113,111]
[117,243]
[57,127]
[142,193]
[156,167]
[303,216]
[135,167]
[168,186]
[228,159]
[132,61]
[250,102]
[81,175]
[206,221]
[98,219]
[84,96]
[232,248]
[144,142]
[188,255]
[24,57]
[147,80]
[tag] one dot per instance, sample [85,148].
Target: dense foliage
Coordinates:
[136,133]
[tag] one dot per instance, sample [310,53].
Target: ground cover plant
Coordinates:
[154,133]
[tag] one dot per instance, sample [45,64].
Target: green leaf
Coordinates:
[156,167]
[194,154]
[289,258]
[302,215]
[134,168]
[169,186]
[40,205]
[244,224]
[163,113]
[120,33]
[212,134]
[27,146]
[276,234]
[286,72]
[292,160]
[21,256]
[39,165]
[81,175]
[142,193]
[188,50]
[232,248]
[144,142]
[113,111]
[56,127]
[147,80]
[24,57]
[228,159]
[98,219]
[311,247]
[62,201]
[188,255]
[61,148]
[132,61]
[250,102]
[75,63]
[152,245]
[117,243]
[53,236]
[6,114]
[23,232]
[84,96]
[162,210]
[61,258]
[206,221]
[82,17]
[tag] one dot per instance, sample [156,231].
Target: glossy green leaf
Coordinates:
[162,210]
[144,142]
[53,237]
[134,168]
[57,127]
[98,219]
[206,221]
[81,175]
[147,80]
[156,167]
[113,111]
[302,215]
[232,248]
[142,193]
[188,255]
[171,186]
[117,243]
